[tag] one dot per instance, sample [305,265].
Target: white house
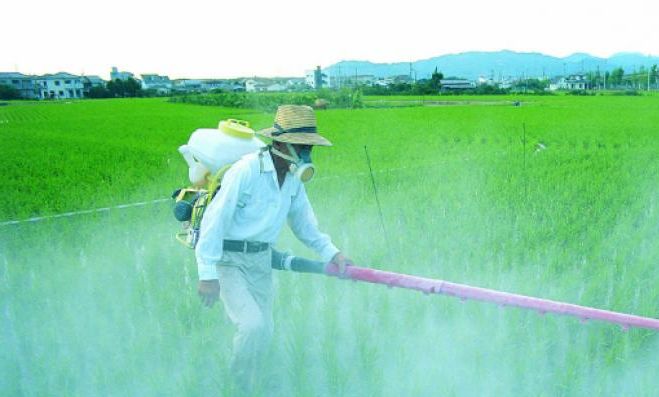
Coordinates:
[209,85]
[383,82]
[252,85]
[506,83]
[51,86]
[275,87]
[60,86]
[482,80]
[457,84]
[162,84]
[572,82]
[26,85]
[186,85]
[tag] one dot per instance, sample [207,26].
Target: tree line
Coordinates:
[129,88]
[617,78]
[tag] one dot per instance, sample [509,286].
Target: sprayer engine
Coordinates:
[189,207]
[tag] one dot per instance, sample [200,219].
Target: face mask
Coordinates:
[301,166]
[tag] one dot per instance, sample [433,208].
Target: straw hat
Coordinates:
[295,124]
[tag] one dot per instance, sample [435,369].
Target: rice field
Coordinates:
[556,198]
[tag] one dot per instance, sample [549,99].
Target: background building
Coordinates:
[25,85]
[60,86]
[115,74]
[317,79]
[161,84]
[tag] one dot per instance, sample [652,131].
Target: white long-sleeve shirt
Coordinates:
[251,206]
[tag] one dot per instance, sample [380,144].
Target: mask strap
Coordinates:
[285,156]
[291,149]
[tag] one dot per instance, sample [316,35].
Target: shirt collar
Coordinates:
[268,164]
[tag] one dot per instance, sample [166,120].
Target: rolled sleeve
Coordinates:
[304,224]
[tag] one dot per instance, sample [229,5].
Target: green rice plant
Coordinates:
[105,303]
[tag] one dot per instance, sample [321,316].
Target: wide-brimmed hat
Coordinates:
[295,124]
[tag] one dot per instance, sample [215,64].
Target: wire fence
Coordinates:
[162,200]
[83,212]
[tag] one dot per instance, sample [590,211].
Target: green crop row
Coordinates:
[270,101]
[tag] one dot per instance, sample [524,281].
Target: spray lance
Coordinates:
[465,292]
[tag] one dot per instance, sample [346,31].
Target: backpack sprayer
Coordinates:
[210,153]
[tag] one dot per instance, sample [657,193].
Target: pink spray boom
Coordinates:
[431,286]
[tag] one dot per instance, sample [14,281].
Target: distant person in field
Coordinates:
[258,194]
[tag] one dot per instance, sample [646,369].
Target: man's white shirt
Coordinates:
[251,206]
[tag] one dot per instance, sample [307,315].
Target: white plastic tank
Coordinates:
[209,149]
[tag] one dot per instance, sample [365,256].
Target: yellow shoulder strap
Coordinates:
[216,181]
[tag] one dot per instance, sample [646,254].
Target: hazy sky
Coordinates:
[204,38]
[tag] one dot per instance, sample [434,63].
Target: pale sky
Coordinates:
[205,38]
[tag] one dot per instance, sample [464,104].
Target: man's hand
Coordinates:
[341,261]
[209,292]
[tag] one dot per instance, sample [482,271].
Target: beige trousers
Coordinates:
[247,293]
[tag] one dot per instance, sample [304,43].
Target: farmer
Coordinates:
[244,219]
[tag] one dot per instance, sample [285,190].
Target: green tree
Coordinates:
[530,85]
[436,80]
[641,78]
[357,101]
[9,92]
[132,88]
[99,92]
[594,79]
[607,80]
[616,76]
[124,88]
[653,74]
[116,88]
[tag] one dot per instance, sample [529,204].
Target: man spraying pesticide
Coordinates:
[252,190]
[233,229]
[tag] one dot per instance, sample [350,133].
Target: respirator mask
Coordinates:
[301,166]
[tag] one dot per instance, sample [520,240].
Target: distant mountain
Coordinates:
[498,64]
